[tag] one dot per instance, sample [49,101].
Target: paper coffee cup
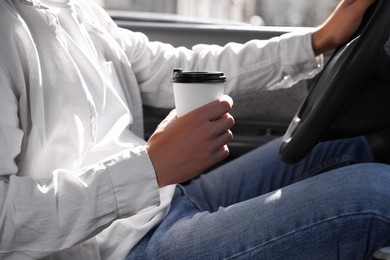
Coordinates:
[193,89]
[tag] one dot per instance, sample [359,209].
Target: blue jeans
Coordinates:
[257,207]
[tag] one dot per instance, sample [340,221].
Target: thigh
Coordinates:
[261,171]
[341,214]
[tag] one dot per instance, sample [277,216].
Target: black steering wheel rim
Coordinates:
[352,65]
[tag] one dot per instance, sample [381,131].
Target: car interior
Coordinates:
[349,98]
[255,124]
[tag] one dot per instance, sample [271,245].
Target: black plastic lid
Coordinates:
[180,76]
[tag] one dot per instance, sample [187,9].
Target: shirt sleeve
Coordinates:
[40,216]
[256,65]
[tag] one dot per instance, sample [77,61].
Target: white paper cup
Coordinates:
[193,89]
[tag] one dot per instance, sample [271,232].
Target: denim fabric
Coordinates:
[256,207]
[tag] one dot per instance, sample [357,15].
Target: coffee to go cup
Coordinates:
[193,89]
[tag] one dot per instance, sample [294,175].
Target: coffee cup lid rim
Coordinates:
[180,76]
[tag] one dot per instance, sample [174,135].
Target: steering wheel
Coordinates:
[352,94]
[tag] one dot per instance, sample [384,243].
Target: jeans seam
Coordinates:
[387,219]
[184,193]
[330,164]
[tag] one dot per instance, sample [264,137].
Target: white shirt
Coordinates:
[76,181]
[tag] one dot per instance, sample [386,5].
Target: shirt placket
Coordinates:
[55,26]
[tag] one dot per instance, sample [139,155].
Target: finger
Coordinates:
[227,99]
[222,124]
[220,150]
[221,153]
[222,140]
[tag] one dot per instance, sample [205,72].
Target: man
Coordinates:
[79,182]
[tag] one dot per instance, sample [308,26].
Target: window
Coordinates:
[256,12]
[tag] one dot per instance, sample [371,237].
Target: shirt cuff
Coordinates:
[298,55]
[134,181]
